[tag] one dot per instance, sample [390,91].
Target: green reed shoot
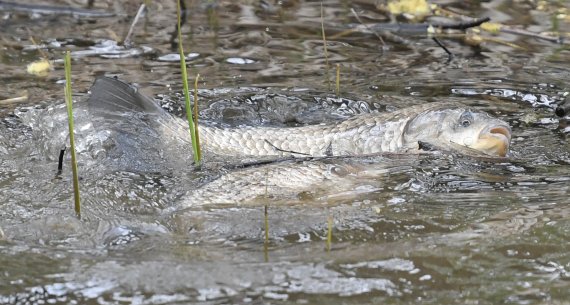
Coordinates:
[193,132]
[337,80]
[325,47]
[197,134]
[329,232]
[69,103]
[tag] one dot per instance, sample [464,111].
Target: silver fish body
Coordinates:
[446,125]
[443,124]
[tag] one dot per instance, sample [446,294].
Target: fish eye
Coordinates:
[466,119]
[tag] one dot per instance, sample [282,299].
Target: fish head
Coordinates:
[463,127]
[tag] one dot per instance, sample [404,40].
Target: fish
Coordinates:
[299,181]
[119,128]
[445,125]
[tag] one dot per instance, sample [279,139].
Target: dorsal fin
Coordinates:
[110,96]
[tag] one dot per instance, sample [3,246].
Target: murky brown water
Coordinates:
[433,229]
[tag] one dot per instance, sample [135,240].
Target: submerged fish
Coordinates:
[324,180]
[444,125]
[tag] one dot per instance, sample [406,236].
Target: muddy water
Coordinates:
[437,228]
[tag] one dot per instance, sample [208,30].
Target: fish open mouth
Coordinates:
[494,140]
[501,130]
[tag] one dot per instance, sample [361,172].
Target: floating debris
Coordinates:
[40,67]
[415,8]
[13,100]
[240,61]
[110,49]
[176,57]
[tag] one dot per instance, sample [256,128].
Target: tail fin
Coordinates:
[142,135]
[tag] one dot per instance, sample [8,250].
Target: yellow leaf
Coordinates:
[413,7]
[40,67]
[491,27]
[473,39]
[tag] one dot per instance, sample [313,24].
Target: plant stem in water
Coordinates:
[191,128]
[197,134]
[69,103]
[325,47]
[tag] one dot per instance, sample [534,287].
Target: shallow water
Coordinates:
[436,228]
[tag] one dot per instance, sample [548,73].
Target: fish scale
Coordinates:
[438,123]
[365,134]
[282,179]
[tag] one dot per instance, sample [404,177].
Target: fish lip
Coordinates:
[500,132]
[497,131]
[504,130]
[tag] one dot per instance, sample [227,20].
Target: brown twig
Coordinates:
[521,32]
[462,25]
[443,47]
[371,30]
[127,40]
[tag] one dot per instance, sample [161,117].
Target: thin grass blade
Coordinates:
[69,104]
[191,128]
